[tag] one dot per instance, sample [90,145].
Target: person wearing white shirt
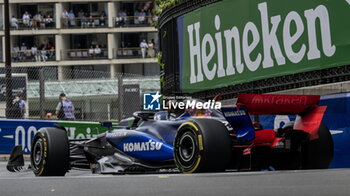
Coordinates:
[143,46]
[65,18]
[91,51]
[26,19]
[97,51]
[14,22]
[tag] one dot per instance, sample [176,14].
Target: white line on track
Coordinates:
[160,175]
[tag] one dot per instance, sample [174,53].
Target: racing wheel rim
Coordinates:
[187,147]
[38,151]
[187,151]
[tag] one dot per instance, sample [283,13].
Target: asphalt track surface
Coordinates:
[313,182]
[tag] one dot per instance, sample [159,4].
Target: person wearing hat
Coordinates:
[65,108]
[18,107]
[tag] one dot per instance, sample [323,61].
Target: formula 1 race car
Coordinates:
[196,141]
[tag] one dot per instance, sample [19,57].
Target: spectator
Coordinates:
[92,51]
[15,54]
[65,108]
[33,51]
[65,18]
[136,17]
[150,50]
[71,17]
[81,14]
[26,19]
[24,52]
[51,53]
[43,54]
[142,17]
[43,23]
[14,22]
[24,47]
[119,21]
[48,21]
[37,56]
[103,17]
[91,21]
[83,22]
[18,107]
[37,20]
[48,116]
[143,46]
[97,51]
[125,17]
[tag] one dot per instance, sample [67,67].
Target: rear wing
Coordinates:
[305,106]
[260,104]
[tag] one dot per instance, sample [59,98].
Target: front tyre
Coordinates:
[50,152]
[202,145]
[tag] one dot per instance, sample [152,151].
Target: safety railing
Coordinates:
[33,55]
[134,21]
[84,54]
[85,22]
[134,53]
[32,24]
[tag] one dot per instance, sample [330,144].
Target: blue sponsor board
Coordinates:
[15,132]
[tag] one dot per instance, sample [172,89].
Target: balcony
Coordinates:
[134,21]
[127,53]
[85,22]
[84,54]
[33,56]
[32,24]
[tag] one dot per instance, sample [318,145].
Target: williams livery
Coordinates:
[198,140]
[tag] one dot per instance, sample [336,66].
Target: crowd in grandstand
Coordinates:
[29,21]
[140,17]
[83,19]
[42,53]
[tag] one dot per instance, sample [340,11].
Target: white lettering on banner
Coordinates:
[142,146]
[20,131]
[203,51]
[24,137]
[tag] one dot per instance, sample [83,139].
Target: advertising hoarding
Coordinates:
[233,42]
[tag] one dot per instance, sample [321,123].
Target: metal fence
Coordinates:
[96,95]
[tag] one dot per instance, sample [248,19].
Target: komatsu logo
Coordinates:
[142,146]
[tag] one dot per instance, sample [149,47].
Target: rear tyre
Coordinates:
[50,152]
[202,145]
[318,154]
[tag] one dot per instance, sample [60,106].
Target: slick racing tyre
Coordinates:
[202,145]
[50,152]
[318,153]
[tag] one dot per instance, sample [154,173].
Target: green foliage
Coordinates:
[163,4]
[161,64]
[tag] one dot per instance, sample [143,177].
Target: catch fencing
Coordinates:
[96,95]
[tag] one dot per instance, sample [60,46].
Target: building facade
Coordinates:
[69,36]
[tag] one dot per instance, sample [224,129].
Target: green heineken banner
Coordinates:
[236,41]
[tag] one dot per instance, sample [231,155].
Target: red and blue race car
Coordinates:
[196,141]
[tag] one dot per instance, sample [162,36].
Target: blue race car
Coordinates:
[196,141]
